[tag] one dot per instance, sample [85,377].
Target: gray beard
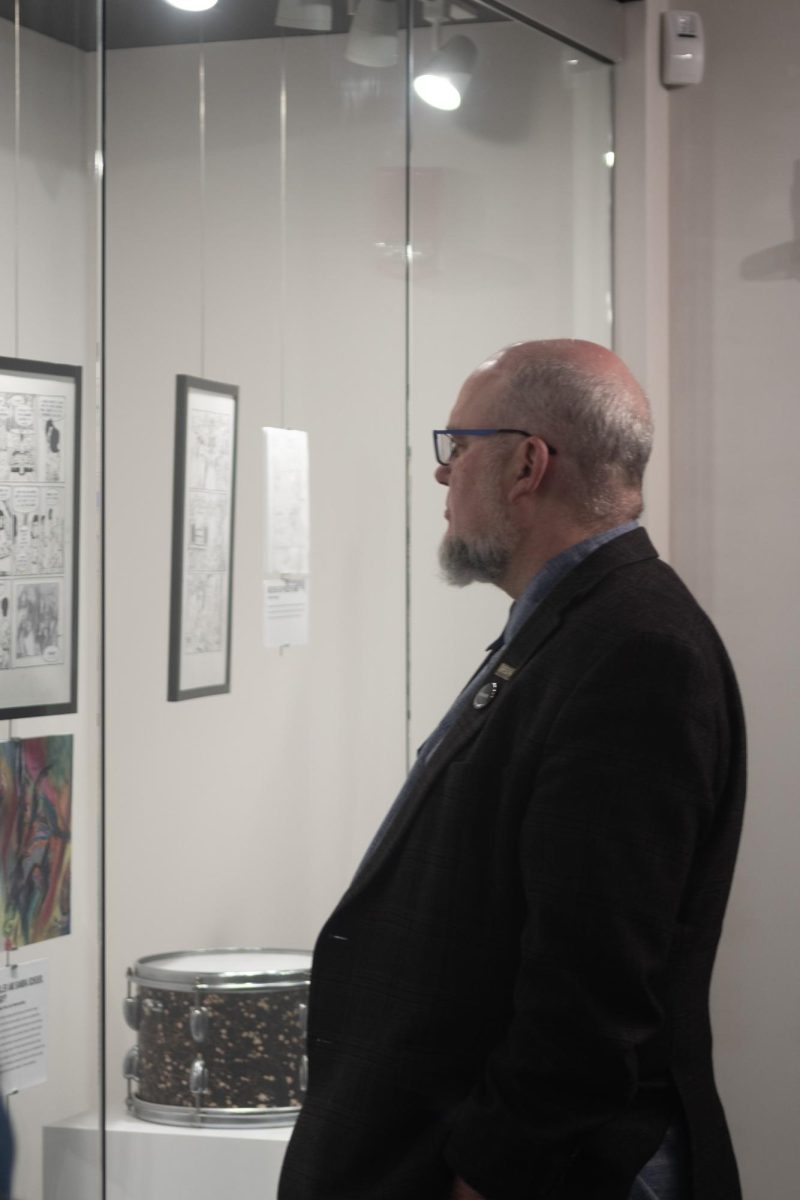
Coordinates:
[485,560]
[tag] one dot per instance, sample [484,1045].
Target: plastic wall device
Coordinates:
[683,48]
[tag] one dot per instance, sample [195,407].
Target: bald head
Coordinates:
[589,358]
[581,398]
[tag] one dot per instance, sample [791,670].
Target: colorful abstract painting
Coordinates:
[35,838]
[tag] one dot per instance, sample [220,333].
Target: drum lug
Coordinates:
[132,1011]
[303,1074]
[130,1064]
[198,1023]
[198,1077]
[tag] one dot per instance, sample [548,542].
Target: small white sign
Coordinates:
[285,612]
[23,1026]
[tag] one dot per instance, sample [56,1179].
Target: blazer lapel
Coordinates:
[623,551]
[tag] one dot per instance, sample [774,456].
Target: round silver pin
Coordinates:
[486,695]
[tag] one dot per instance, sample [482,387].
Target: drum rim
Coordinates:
[147,972]
[176,1114]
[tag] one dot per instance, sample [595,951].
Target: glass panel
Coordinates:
[511,239]
[255,237]
[49,474]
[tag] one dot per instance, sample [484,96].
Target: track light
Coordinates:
[372,41]
[445,80]
[314,15]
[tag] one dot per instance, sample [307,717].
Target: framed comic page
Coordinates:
[40,438]
[202,538]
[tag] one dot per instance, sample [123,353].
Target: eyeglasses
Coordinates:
[445,446]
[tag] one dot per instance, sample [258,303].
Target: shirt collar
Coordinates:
[551,574]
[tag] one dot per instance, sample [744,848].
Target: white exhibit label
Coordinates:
[23,1026]
[286,537]
[285,612]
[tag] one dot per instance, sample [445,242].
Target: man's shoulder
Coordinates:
[626,597]
[645,600]
[629,572]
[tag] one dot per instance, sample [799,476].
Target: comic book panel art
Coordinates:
[205,630]
[21,437]
[6,532]
[35,838]
[40,443]
[38,623]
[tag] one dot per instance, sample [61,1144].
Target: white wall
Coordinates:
[55,321]
[735,209]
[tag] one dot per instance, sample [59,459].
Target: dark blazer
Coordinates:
[515,987]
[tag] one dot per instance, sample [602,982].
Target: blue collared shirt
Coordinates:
[551,574]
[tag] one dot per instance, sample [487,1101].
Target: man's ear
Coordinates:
[531,466]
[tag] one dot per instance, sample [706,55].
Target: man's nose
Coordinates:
[442,475]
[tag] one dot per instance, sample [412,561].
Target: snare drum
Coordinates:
[221,1036]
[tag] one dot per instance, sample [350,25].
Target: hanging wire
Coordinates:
[283,221]
[102,583]
[17,165]
[17,123]
[17,115]
[201,116]
[282,323]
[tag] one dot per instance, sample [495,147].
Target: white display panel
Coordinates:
[23,1026]
[286,537]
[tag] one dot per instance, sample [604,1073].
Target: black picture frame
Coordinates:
[40,468]
[203,512]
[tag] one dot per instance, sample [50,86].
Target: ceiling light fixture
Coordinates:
[192,5]
[443,83]
[372,40]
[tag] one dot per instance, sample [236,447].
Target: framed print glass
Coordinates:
[202,538]
[40,409]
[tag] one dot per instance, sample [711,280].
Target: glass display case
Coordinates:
[285,216]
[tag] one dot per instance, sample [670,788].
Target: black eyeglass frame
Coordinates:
[453,433]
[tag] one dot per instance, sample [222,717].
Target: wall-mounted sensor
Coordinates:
[683,48]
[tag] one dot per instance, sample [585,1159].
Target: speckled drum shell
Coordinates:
[253,1049]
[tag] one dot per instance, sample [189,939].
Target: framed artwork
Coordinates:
[40,438]
[202,538]
[35,839]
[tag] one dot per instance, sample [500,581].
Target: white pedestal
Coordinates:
[161,1162]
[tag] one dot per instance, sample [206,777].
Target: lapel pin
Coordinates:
[485,695]
[505,671]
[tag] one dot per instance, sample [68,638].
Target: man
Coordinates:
[511,999]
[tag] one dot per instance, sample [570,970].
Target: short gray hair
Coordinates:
[601,422]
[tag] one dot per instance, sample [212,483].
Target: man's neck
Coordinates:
[531,557]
